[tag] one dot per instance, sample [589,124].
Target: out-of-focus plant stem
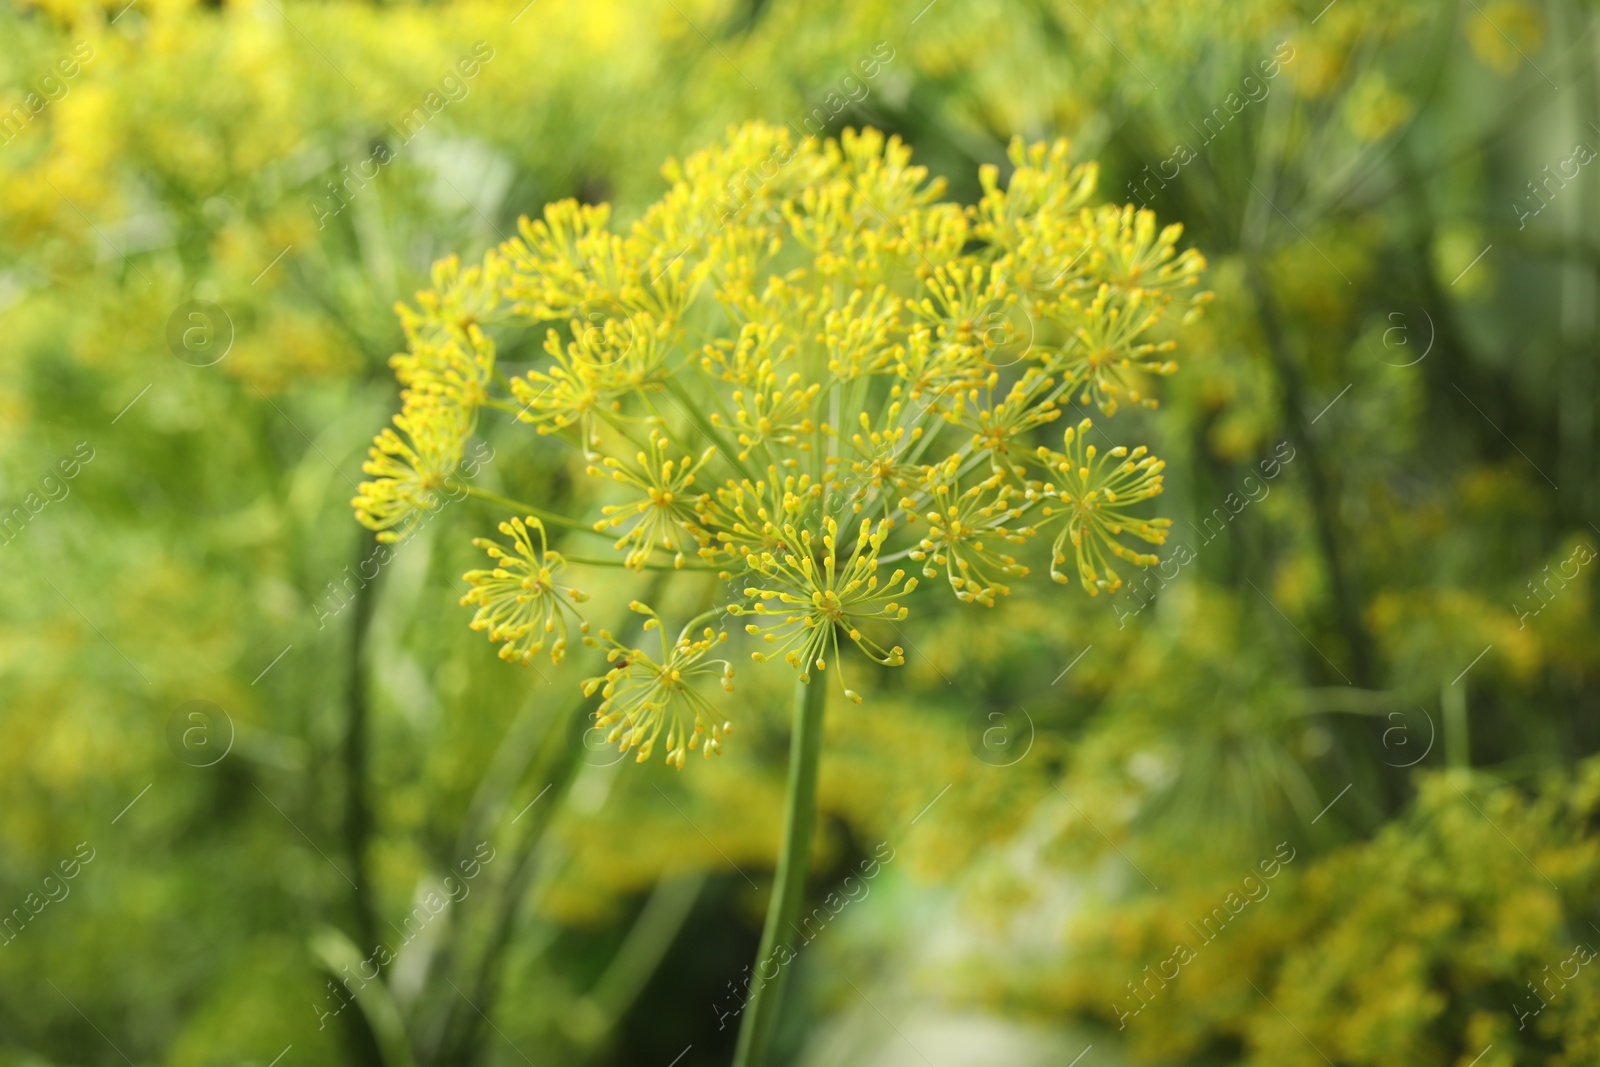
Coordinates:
[357,812]
[1457,736]
[595,1015]
[789,883]
[1575,415]
[1346,602]
[461,1032]
[343,960]
[538,746]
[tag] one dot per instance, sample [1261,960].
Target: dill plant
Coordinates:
[803,372]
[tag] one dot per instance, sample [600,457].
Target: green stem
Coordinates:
[690,408]
[528,509]
[789,884]
[636,961]
[589,561]
[357,752]
[1457,738]
[503,405]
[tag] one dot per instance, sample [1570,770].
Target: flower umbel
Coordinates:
[642,695]
[965,529]
[740,377]
[815,601]
[519,601]
[879,468]
[411,468]
[1093,493]
[665,517]
[750,517]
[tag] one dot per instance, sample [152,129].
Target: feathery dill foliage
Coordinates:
[797,369]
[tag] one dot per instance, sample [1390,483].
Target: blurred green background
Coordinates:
[1373,672]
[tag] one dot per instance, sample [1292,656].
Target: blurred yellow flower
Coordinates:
[1504,33]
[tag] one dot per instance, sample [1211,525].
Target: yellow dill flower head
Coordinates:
[625,356]
[1046,188]
[642,695]
[1092,493]
[967,528]
[878,466]
[568,393]
[1000,429]
[664,516]
[959,305]
[797,338]
[520,602]
[815,596]
[771,410]
[454,368]
[750,517]
[563,263]
[461,299]
[412,468]
[446,370]
[1139,274]
[759,346]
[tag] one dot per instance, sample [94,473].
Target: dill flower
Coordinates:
[411,467]
[815,602]
[965,527]
[880,466]
[1134,271]
[461,298]
[1000,429]
[568,393]
[773,410]
[607,360]
[751,517]
[454,366]
[642,694]
[520,602]
[665,516]
[798,337]
[1093,493]
[959,304]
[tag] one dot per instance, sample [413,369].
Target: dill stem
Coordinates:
[528,509]
[789,882]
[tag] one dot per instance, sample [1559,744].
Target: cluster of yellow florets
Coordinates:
[799,338]
[446,373]
[642,695]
